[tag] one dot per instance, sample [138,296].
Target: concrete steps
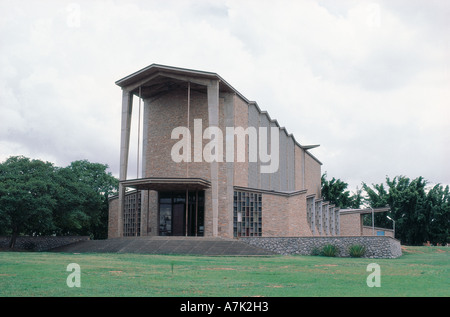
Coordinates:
[166,245]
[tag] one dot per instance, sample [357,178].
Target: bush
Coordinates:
[29,245]
[316,251]
[329,250]
[357,250]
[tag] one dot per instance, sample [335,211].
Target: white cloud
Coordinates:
[368,80]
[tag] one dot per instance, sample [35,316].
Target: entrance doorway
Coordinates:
[181,213]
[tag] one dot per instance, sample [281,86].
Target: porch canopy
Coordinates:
[364,210]
[167,183]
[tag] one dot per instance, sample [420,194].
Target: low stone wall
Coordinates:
[376,246]
[40,243]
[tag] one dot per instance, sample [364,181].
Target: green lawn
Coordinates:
[421,271]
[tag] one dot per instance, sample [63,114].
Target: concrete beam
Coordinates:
[213,118]
[229,100]
[195,80]
[142,82]
[127,105]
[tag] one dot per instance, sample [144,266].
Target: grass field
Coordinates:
[421,271]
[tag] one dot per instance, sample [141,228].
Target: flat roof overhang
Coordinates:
[154,80]
[364,211]
[167,184]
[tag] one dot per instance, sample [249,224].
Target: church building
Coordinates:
[213,164]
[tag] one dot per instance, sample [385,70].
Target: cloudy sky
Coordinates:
[367,80]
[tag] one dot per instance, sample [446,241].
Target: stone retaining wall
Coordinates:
[376,246]
[40,243]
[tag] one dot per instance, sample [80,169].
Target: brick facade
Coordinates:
[351,224]
[171,96]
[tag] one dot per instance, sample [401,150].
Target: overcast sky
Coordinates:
[367,80]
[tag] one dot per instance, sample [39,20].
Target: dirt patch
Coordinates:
[221,269]
[409,250]
[326,265]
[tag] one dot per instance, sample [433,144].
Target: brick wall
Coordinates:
[298,221]
[275,216]
[284,215]
[241,120]
[165,114]
[367,231]
[113,218]
[351,224]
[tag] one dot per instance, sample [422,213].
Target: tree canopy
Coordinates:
[420,213]
[38,198]
[335,191]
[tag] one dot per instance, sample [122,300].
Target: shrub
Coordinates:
[316,251]
[29,245]
[357,250]
[329,250]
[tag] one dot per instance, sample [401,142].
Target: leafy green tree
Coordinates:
[438,206]
[26,203]
[407,201]
[377,197]
[37,198]
[92,185]
[420,215]
[72,213]
[335,191]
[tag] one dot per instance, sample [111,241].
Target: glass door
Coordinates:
[175,219]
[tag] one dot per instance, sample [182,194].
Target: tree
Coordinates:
[26,203]
[335,192]
[438,206]
[37,198]
[93,185]
[407,201]
[420,214]
[377,197]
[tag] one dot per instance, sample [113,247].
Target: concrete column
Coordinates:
[338,222]
[127,105]
[303,169]
[146,120]
[229,122]
[312,224]
[333,221]
[317,208]
[213,118]
[320,224]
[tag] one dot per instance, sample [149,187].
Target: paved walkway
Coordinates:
[166,245]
